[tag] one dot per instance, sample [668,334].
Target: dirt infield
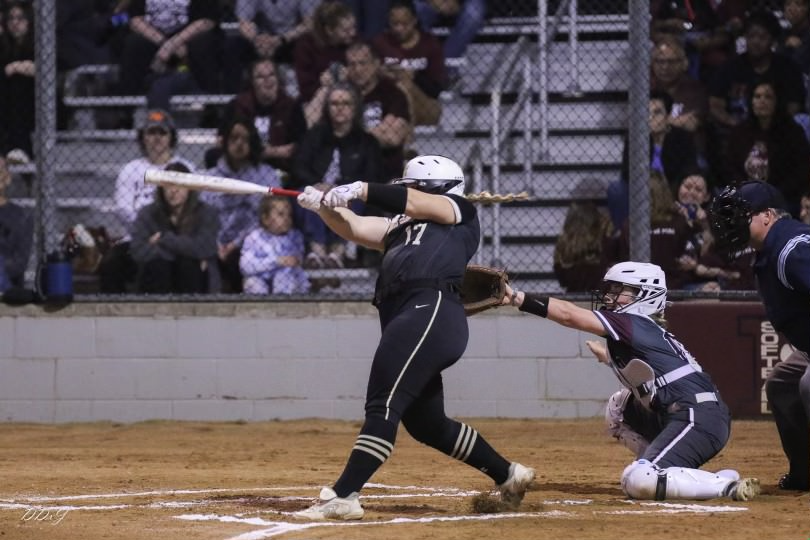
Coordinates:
[161,480]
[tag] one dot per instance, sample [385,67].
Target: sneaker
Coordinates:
[18,157]
[313,261]
[516,484]
[330,506]
[333,260]
[744,489]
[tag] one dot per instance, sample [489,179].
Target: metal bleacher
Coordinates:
[582,155]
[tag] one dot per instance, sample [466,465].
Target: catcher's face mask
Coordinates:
[612,296]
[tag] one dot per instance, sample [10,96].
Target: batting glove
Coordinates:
[310,198]
[342,195]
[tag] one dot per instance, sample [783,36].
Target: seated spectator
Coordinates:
[278,118]
[335,151]
[385,107]
[579,262]
[83,29]
[795,42]
[17,82]
[174,242]
[169,38]
[464,17]
[690,100]
[320,54]
[414,59]
[272,254]
[157,142]
[237,213]
[770,146]
[268,30]
[733,83]
[371,15]
[670,236]
[16,235]
[672,155]
[708,30]
[693,198]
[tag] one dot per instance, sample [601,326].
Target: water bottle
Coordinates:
[56,279]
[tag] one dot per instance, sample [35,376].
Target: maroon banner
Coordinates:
[735,344]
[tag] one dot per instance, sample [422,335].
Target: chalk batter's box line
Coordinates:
[277,528]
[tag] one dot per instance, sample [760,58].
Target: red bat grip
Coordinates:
[285,192]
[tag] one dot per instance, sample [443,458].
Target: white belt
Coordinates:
[674,375]
[702,397]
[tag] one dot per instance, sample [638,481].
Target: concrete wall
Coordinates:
[132,362]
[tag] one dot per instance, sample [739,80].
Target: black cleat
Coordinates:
[788,483]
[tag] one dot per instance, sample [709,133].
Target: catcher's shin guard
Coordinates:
[644,480]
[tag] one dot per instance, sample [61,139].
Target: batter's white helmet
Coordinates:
[433,174]
[648,279]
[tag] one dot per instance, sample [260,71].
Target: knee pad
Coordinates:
[615,409]
[643,480]
[616,428]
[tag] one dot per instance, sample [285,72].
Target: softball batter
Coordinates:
[426,247]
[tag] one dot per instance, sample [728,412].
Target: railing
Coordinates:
[519,56]
[545,36]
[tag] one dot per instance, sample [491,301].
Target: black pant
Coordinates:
[17,108]
[231,274]
[203,61]
[181,275]
[117,270]
[788,391]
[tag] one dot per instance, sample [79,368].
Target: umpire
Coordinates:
[754,215]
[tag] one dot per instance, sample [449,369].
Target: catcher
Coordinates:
[670,414]
[426,246]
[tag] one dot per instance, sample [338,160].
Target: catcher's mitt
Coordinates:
[483,288]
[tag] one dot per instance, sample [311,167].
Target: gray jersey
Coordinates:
[678,376]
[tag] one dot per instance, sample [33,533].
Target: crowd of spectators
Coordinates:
[729,102]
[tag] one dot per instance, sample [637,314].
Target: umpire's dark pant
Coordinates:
[788,391]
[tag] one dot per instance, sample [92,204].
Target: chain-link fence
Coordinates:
[535,102]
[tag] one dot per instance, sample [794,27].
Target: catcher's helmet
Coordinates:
[647,279]
[731,212]
[433,174]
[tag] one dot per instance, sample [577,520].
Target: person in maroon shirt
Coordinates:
[320,53]
[690,99]
[385,106]
[579,260]
[770,146]
[278,118]
[415,60]
[670,235]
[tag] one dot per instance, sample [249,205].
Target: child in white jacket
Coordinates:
[271,255]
